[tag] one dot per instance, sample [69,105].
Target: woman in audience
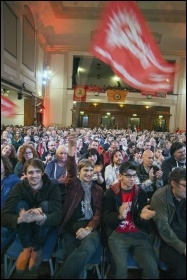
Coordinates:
[56,168]
[98,178]
[26,152]
[10,152]
[5,136]
[17,140]
[8,180]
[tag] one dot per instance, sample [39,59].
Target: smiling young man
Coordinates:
[126,218]
[33,206]
[81,216]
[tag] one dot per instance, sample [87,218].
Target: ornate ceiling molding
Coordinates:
[61,11]
[77,12]
[67,48]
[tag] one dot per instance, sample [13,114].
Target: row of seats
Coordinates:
[53,249]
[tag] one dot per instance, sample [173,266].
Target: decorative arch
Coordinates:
[28,14]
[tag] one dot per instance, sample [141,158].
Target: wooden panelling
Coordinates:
[95,113]
[28,111]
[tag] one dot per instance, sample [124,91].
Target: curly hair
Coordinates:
[7,165]
[13,151]
[22,151]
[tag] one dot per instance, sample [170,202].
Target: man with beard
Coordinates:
[177,159]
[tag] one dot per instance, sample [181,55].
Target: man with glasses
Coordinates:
[127,218]
[169,203]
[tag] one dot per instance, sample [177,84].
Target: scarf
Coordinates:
[87,200]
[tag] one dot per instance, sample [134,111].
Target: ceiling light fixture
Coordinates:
[46,74]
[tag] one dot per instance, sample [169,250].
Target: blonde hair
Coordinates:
[60,147]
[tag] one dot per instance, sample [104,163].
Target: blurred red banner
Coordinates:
[124,41]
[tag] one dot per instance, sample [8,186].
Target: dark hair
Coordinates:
[126,166]
[36,162]
[176,146]
[178,174]
[138,150]
[91,152]
[113,154]
[131,144]
[7,165]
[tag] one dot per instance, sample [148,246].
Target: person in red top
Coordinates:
[127,222]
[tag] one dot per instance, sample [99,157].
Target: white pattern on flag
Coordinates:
[124,41]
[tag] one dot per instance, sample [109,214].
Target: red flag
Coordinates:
[7,107]
[79,93]
[124,41]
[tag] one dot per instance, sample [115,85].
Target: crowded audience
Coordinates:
[95,171]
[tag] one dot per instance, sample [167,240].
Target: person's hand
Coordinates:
[49,158]
[43,143]
[63,180]
[151,174]
[82,232]
[161,158]
[30,216]
[146,213]
[23,177]
[123,209]
[98,168]
[35,210]
[72,139]
[159,174]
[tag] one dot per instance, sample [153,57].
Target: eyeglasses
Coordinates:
[128,176]
[27,153]
[182,185]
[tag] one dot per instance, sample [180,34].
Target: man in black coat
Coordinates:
[177,159]
[33,207]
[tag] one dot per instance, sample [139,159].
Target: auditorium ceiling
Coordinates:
[70,25]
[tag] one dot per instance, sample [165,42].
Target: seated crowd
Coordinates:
[124,190]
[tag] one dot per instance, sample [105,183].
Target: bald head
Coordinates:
[147,158]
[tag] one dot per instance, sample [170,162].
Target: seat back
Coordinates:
[93,262]
[5,242]
[15,249]
[108,261]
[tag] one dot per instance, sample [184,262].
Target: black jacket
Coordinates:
[167,166]
[112,202]
[22,191]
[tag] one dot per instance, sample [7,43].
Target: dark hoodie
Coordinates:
[22,191]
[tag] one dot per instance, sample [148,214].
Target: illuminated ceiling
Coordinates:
[69,25]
